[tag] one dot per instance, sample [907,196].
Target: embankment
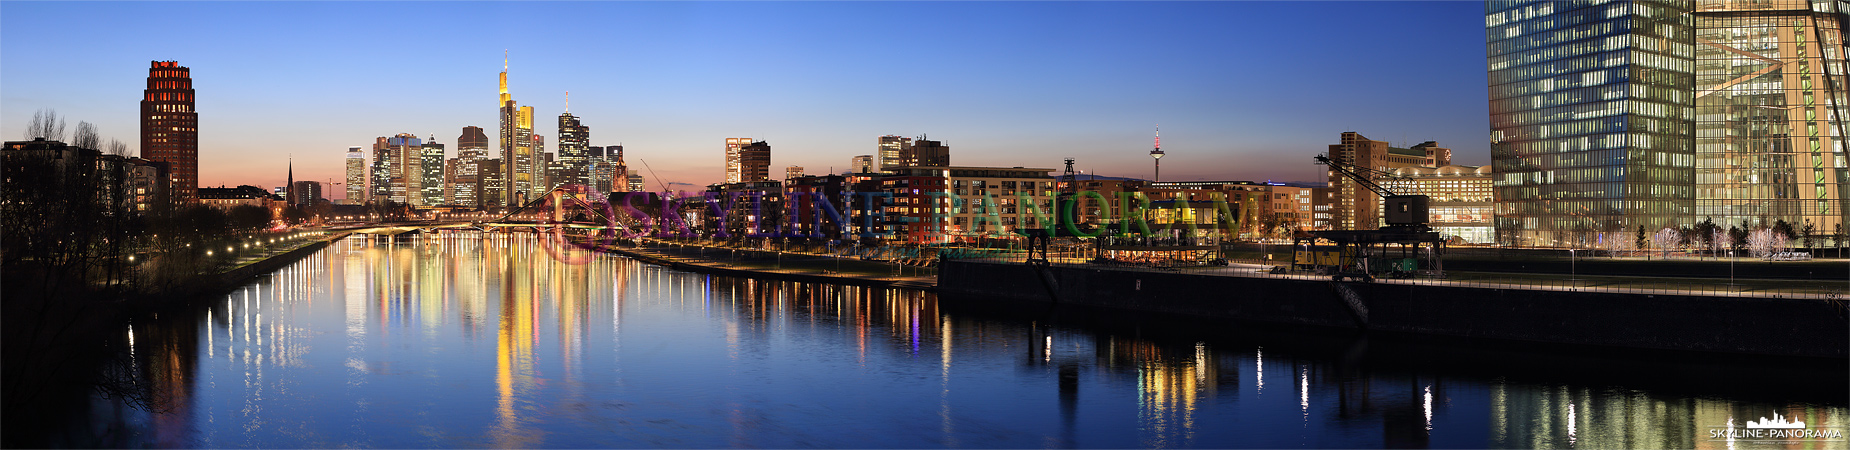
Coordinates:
[1745,325]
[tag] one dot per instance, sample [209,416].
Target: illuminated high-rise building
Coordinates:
[793,172]
[574,147]
[516,146]
[381,170]
[430,174]
[1771,107]
[1610,116]
[542,180]
[356,175]
[169,127]
[734,169]
[465,175]
[396,167]
[748,162]
[891,151]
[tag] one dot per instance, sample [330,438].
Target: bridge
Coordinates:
[571,208]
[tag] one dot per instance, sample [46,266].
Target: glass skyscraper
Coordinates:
[1770,107]
[1611,115]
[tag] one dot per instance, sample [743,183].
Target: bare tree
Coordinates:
[117,147]
[1665,239]
[1765,241]
[85,137]
[45,124]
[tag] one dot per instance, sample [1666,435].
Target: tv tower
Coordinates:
[1157,154]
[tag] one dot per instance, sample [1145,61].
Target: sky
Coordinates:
[1243,90]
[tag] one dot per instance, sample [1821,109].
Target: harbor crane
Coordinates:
[1363,254]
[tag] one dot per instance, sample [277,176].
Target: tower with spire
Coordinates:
[1157,154]
[517,159]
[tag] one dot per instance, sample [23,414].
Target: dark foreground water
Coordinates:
[466,341]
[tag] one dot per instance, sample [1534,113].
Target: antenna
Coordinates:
[504,60]
[568,102]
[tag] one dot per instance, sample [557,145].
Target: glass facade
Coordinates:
[1609,115]
[1591,117]
[1770,107]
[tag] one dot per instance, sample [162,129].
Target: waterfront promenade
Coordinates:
[852,270]
[793,266]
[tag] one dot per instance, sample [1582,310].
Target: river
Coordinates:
[467,340]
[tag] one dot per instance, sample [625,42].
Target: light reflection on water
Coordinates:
[489,341]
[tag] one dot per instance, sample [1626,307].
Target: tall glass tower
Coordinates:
[1770,111]
[1591,118]
[1609,115]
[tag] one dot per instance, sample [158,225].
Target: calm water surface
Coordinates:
[471,341]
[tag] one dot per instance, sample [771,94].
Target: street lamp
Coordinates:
[1573,270]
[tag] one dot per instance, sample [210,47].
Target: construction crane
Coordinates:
[1404,212]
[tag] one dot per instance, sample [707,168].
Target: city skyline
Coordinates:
[1006,84]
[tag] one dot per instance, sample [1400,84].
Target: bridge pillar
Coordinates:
[558,205]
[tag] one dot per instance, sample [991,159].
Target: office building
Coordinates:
[747,160]
[890,151]
[734,169]
[793,172]
[397,164]
[574,152]
[304,194]
[1614,116]
[465,175]
[493,184]
[430,174]
[519,165]
[925,152]
[1461,208]
[356,175]
[862,164]
[169,127]
[1356,207]
[635,183]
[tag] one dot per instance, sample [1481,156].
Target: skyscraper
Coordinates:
[734,169]
[381,170]
[356,175]
[574,154]
[891,151]
[536,144]
[1771,107]
[466,178]
[516,146]
[862,164]
[169,127]
[755,162]
[1612,116]
[397,163]
[430,174]
[793,172]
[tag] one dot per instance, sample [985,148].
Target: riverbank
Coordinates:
[1809,327]
[63,346]
[787,266]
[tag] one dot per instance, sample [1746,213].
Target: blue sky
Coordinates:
[1243,90]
